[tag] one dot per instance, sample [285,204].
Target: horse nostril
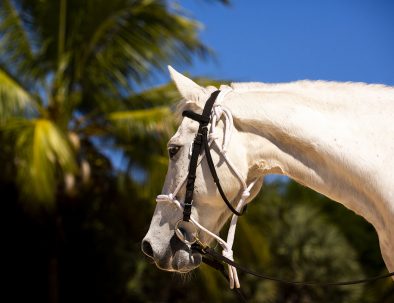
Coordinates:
[147,248]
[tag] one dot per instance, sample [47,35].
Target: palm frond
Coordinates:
[43,155]
[133,42]
[141,135]
[141,122]
[20,43]
[162,95]
[14,98]
[14,36]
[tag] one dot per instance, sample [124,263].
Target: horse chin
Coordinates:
[181,262]
[184,261]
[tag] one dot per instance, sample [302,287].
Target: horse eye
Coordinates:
[172,150]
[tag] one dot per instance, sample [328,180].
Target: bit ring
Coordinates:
[186,231]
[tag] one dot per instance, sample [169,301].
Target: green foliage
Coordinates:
[71,75]
[74,67]
[305,247]
[42,150]
[140,121]
[14,99]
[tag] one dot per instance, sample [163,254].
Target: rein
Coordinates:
[216,259]
[186,228]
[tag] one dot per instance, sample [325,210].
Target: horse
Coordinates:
[335,138]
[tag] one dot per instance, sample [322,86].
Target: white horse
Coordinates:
[335,138]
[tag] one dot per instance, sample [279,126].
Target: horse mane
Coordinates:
[307,85]
[313,87]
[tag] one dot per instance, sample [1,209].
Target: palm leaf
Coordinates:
[136,39]
[43,152]
[14,36]
[14,98]
[144,121]
[141,135]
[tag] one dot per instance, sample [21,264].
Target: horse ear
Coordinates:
[189,90]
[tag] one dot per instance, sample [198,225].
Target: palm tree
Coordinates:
[70,80]
[72,98]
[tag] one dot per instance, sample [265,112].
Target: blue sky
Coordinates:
[285,40]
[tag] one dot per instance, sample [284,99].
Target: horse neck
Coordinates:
[329,144]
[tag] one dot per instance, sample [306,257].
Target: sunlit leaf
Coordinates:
[14,99]
[143,120]
[14,38]
[43,155]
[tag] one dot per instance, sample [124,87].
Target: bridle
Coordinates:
[186,229]
[202,139]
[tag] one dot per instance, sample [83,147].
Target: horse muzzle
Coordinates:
[177,256]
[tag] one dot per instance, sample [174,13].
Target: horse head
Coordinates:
[209,212]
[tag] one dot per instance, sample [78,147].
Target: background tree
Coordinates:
[82,152]
[71,100]
[68,69]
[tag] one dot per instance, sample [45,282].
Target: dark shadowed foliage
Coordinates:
[83,153]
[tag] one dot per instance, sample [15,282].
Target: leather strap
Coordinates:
[202,139]
[220,267]
[202,132]
[216,179]
[218,257]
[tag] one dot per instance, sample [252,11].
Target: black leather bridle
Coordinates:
[200,140]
